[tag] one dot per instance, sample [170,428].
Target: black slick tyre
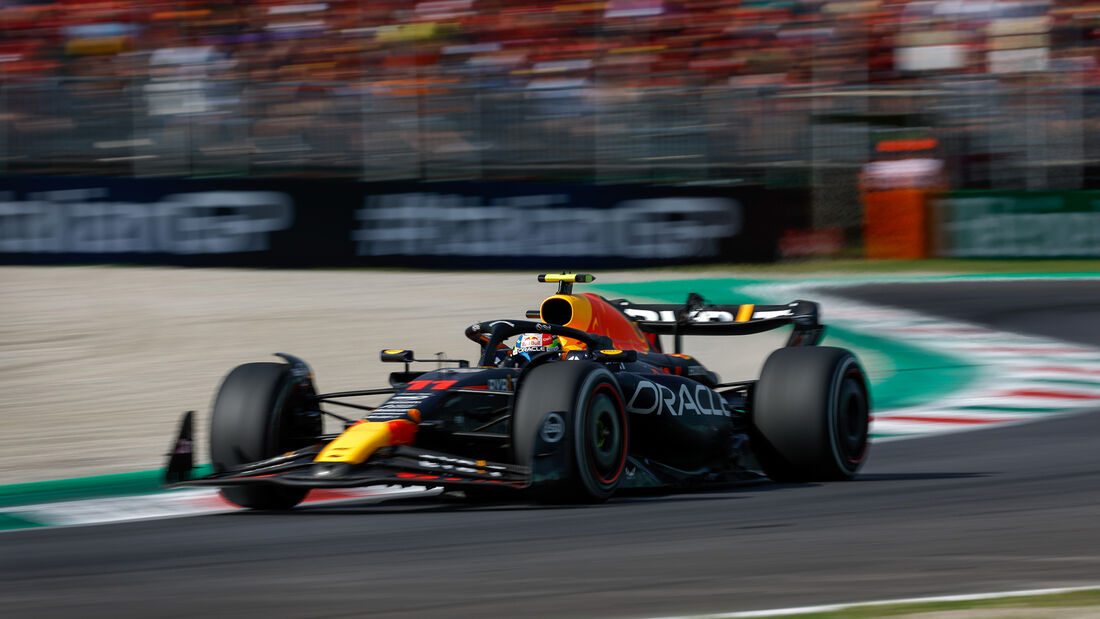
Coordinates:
[569,426]
[257,416]
[811,409]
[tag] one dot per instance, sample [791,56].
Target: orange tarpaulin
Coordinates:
[895,224]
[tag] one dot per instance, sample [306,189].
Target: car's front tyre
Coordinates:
[570,427]
[258,413]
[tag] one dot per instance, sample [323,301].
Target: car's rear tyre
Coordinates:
[569,426]
[258,413]
[811,409]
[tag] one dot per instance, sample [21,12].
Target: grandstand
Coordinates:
[785,92]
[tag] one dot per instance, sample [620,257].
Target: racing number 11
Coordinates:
[417,385]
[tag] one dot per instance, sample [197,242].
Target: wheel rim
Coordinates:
[852,420]
[604,437]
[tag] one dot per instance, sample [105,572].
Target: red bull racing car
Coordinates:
[584,404]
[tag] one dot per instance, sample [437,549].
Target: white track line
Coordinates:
[827,608]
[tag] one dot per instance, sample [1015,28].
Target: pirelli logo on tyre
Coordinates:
[553,428]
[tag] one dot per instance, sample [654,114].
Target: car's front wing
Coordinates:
[400,465]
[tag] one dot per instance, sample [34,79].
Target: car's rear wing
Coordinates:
[697,318]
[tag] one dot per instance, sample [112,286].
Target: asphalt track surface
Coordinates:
[1008,508]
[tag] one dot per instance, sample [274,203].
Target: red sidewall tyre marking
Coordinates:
[589,446]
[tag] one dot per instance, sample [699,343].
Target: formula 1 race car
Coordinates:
[602,410]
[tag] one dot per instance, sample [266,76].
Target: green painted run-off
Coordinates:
[122,484]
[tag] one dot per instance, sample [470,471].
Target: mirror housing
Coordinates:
[393,355]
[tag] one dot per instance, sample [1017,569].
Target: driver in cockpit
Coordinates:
[527,345]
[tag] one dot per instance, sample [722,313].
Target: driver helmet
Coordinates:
[528,345]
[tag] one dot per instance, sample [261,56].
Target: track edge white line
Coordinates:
[825,608]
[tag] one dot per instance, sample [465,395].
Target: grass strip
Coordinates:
[993,266]
[1047,267]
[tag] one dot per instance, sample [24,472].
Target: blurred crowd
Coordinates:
[357,85]
[493,43]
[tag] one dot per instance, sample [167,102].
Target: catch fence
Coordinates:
[989,133]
